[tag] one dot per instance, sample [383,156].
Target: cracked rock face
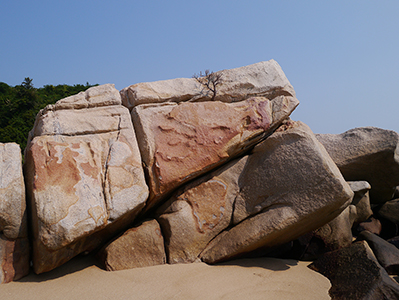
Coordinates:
[286,187]
[289,186]
[179,142]
[14,245]
[83,173]
[199,212]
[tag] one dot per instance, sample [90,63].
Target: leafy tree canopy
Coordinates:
[20,104]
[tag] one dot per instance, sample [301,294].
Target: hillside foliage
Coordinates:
[19,105]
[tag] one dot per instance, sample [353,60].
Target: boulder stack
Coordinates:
[178,171]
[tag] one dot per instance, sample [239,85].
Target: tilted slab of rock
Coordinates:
[141,246]
[355,273]
[264,79]
[199,211]
[14,244]
[370,154]
[179,142]
[289,187]
[83,173]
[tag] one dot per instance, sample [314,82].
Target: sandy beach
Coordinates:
[261,278]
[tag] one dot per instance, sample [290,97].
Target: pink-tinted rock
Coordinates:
[14,255]
[199,211]
[179,142]
[84,176]
[141,246]
[286,187]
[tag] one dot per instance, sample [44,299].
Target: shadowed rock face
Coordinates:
[83,174]
[14,244]
[179,142]
[355,273]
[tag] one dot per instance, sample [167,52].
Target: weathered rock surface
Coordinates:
[355,274]
[83,173]
[264,79]
[14,245]
[289,186]
[179,142]
[386,253]
[199,211]
[390,211]
[141,246]
[361,200]
[370,154]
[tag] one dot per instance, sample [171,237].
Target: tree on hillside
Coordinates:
[20,104]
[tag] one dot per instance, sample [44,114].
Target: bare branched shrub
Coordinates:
[210,80]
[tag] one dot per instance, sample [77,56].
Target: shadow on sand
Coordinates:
[269,263]
[76,264]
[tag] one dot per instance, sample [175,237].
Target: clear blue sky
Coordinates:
[342,57]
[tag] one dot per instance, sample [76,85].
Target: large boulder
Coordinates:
[264,79]
[370,154]
[83,174]
[140,246]
[14,244]
[286,187]
[355,274]
[179,142]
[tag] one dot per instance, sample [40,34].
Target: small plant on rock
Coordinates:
[210,80]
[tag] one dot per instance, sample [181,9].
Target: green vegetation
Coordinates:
[20,104]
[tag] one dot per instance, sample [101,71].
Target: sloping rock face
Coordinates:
[14,244]
[199,212]
[370,154]
[265,79]
[268,198]
[179,142]
[141,246]
[355,274]
[83,174]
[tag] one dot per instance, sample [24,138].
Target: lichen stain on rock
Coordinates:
[208,201]
[194,136]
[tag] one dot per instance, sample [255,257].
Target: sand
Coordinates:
[261,278]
